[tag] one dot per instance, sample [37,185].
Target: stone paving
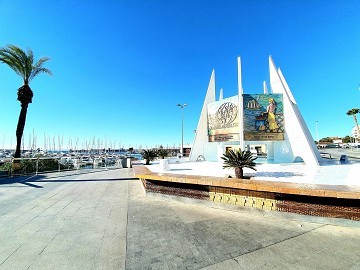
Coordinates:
[103,220]
[66,222]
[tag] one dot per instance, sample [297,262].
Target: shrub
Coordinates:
[239,160]
[149,155]
[163,153]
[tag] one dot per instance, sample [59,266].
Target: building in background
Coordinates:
[355,134]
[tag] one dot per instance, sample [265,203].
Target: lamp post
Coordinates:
[182,106]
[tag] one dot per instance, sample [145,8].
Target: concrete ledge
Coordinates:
[328,191]
[259,212]
[312,200]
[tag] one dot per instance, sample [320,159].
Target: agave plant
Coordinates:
[239,160]
[149,155]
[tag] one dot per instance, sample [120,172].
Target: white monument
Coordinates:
[275,130]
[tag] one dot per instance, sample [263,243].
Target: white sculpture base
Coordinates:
[164,165]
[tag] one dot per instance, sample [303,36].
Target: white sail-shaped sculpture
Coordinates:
[221,95]
[201,146]
[298,143]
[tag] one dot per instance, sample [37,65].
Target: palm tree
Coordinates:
[353,112]
[162,153]
[23,65]
[239,160]
[149,155]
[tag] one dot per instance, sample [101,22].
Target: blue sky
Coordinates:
[120,67]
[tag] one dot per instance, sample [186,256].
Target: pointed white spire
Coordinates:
[210,94]
[265,88]
[291,97]
[275,82]
[297,134]
[240,105]
[240,88]
[221,96]
[201,135]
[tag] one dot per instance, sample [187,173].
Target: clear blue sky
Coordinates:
[120,67]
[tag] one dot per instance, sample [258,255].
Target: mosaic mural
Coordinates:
[263,117]
[223,120]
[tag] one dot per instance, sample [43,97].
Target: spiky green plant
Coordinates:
[149,155]
[239,160]
[23,65]
[162,153]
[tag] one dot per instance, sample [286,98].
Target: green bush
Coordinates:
[5,169]
[28,166]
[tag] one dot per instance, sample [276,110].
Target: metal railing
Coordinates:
[37,165]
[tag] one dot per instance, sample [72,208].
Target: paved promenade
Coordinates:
[103,220]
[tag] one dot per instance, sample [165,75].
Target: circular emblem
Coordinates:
[226,113]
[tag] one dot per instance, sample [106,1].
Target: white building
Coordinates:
[269,124]
[355,134]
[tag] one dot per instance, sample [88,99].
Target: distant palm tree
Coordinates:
[239,160]
[353,112]
[149,155]
[23,65]
[163,153]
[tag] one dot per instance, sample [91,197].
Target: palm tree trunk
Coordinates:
[239,172]
[20,128]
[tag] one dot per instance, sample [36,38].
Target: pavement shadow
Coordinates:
[85,180]
[31,180]
[25,180]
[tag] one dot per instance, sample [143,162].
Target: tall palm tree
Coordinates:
[353,112]
[239,160]
[23,65]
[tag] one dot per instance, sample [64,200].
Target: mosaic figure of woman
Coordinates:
[271,109]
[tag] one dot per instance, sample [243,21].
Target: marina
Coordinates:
[34,162]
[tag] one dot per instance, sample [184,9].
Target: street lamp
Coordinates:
[182,126]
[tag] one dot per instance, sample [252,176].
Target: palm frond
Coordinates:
[9,57]
[28,61]
[239,159]
[353,111]
[23,62]
[149,154]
